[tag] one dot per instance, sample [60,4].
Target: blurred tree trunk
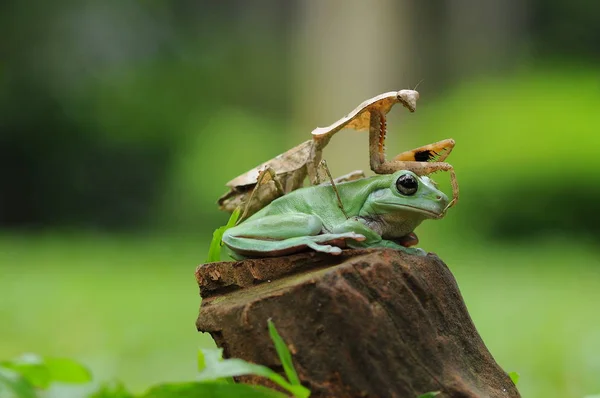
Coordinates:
[483,36]
[344,52]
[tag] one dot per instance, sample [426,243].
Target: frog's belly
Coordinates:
[396,228]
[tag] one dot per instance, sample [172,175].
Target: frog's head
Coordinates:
[409,194]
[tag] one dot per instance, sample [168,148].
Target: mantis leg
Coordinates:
[437,152]
[323,166]
[267,188]
[415,160]
[423,168]
[352,176]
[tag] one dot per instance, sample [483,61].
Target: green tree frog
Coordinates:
[379,211]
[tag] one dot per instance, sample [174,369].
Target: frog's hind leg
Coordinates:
[278,235]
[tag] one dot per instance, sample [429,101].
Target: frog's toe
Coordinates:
[417,251]
[358,237]
[334,250]
[328,249]
[353,236]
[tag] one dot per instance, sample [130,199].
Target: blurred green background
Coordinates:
[121,122]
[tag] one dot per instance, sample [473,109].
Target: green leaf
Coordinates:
[14,382]
[214,250]
[514,376]
[284,354]
[210,390]
[112,390]
[36,375]
[216,368]
[63,370]
[430,394]
[214,355]
[202,353]
[31,368]
[41,372]
[233,219]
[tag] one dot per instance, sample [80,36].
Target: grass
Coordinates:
[536,310]
[126,306]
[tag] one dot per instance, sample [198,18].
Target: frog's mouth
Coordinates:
[415,209]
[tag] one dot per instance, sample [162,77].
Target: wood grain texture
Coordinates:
[367,323]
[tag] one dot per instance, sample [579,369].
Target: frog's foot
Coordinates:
[394,245]
[332,243]
[417,251]
[407,241]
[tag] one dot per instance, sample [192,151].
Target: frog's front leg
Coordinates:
[373,239]
[393,245]
[278,235]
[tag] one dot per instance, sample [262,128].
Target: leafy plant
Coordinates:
[29,372]
[221,370]
[214,251]
[210,389]
[112,390]
[26,376]
[13,383]
[430,394]
[40,372]
[284,354]
[213,367]
[514,376]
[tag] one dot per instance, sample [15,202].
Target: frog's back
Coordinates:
[304,200]
[322,200]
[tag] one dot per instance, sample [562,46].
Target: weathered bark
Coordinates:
[367,323]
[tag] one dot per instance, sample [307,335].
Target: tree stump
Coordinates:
[366,323]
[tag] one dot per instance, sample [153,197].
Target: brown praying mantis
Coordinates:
[258,187]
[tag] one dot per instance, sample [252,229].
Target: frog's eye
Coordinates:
[407,184]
